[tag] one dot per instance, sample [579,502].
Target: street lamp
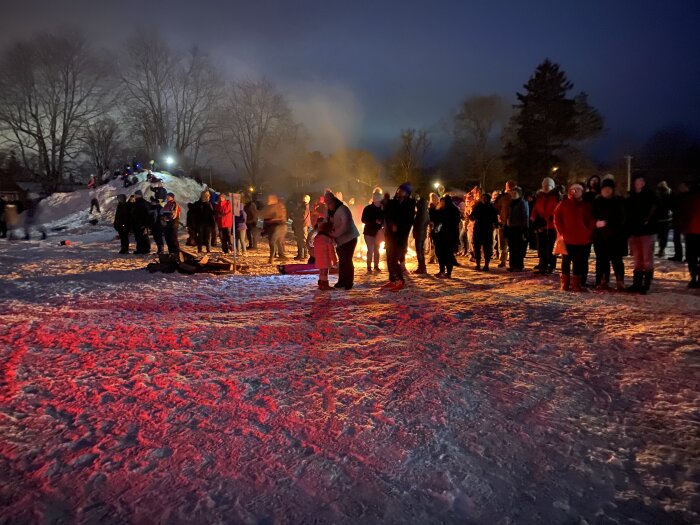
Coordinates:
[436,185]
[169,161]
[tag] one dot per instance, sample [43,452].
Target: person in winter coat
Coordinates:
[191,225]
[373,219]
[224,221]
[592,188]
[251,223]
[663,216]
[689,219]
[609,236]
[205,221]
[324,253]
[542,219]
[640,213]
[420,233]
[573,219]
[518,223]
[171,222]
[399,214]
[676,199]
[485,217]
[155,209]
[301,222]
[445,218]
[239,223]
[345,234]
[122,222]
[502,204]
[141,222]
[275,226]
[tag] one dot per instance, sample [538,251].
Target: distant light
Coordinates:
[169,161]
[436,185]
[555,169]
[251,189]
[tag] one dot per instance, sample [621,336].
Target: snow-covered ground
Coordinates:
[129,397]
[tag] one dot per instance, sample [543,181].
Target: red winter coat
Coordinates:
[544,207]
[324,251]
[222,212]
[574,221]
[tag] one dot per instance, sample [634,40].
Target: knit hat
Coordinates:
[406,186]
[607,183]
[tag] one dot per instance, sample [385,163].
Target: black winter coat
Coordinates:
[640,210]
[399,215]
[203,214]
[446,221]
[140,214]
[485,217]
[370,215]
[122,217]
[420,223]
[612,211]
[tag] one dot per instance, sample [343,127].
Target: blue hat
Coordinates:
[406,186]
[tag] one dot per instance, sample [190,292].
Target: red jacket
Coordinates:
[545,204]
[222,212]
[574,221]
[324,251]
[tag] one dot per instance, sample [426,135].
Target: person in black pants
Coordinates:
[399,214]
[345,234]
[609,239]
[122,222]
[420,233]
[141,222]
[445,218]
[518,222]
[171,217]
[485,217]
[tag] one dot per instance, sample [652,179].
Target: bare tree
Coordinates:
[476,122]
[102,143]
[50,87]
[256,120]
[410,155]
[171,96]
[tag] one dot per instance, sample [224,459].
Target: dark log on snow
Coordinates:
[187,268]
[219,266]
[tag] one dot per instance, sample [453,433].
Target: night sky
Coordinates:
[359,71]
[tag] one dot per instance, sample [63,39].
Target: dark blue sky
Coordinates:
[360,71]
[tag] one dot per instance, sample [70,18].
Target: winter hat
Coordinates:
[576,185]
[510,185]
[549,181]
[170,194]
[406,186]
[138,193]
[377,196]
[607,183]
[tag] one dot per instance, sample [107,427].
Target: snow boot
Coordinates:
[421,270]
[636,287]
[565,280]
[620,284]
[323,285]
[577,284]
[694,282]
[646,283]
[486,266]
[602,285]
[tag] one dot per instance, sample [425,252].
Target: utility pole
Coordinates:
[628,158]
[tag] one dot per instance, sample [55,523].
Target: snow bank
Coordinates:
[69,212]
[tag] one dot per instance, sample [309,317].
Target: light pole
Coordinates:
[628,158]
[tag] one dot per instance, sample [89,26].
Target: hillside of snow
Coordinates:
[69,212]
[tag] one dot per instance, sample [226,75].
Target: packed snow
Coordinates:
[130,397]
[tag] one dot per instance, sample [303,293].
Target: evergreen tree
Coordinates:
[547,122]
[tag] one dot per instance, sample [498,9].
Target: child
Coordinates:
[324,254]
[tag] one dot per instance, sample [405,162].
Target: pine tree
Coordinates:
[546,122]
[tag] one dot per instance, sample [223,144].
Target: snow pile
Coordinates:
[70,212]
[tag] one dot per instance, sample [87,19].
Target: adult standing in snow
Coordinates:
[640,213]
[663,216]
[689,220]
[141,222]
[171,218]
[373,219]
[204,214]
[542,219]
[573,219]
[301,222]
[214,200]
[3,222]
[609,236]
[156,224]
[485,217]
[502,205]
[274,215]
[420,233]
[345,235]
[399,214]
[224,221]
[445,218]
[592,188]
[518,223]
[251,223]
[122,222]
[677,200]
[239,223]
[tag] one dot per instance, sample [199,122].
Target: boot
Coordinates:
[620,284]
[694,282]
[646,283]
[636,282]
[602,284]
[564,282]
[486,266]
[577,284]
[323,285]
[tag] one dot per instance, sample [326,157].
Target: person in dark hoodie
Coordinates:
[373,219]
[445,218]
[156,224]
[485,217]
[141,222]
[518,222]
[205,220]
[122,222]
[640,213]
[609,236]
[420,233]
[399,214]
[689,221]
